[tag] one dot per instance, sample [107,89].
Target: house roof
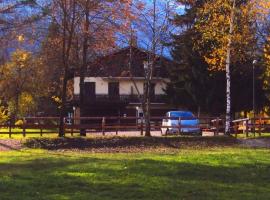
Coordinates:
[117,64]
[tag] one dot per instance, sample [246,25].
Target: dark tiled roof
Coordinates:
[117,64]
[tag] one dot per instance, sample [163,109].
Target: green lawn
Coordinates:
[18,133]
[218,173]
[251,135]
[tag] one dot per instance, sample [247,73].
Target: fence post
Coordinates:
[217,127]
[141,126]
[236,129]
[254,126]
[179,125]
[72,124]
[40,128]
[118,124]
[9,128]
[260,126]
[64,125]
[247,127]
[23,125]
[103,125]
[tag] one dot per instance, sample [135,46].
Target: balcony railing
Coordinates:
[120,98]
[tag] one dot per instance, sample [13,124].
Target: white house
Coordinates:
[114,85]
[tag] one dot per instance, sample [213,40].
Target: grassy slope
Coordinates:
[220,173]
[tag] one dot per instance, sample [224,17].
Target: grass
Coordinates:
[30,133]
[18,133]
[251,135]
[216,173]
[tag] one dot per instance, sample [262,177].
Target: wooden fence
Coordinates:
[247,126]
[50,125]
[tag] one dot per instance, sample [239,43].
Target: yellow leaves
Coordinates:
[216,59]
[56,99]
[266,51]
[266,58]
[261,9]
[213,23]
[20,38]
[27,103]
[24,56]
[20,60]
[21,57]
[3,114]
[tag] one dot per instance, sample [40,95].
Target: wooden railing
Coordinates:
[49,125]
[121,98]
[247,126]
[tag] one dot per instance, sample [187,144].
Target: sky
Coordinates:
[144,32]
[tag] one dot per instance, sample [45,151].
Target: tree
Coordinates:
[266,63]
[81,26]
[18,78]
[97,17]
[68,9]
[191,84]
[228,34]
[151,27]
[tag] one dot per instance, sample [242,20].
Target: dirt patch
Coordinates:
[256,142]
[10,144]
[128,144]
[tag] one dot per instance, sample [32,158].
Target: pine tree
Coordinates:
[192,84]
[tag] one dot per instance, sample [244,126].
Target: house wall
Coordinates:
[124,86]
[101,85]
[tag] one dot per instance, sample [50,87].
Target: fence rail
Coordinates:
[49,125]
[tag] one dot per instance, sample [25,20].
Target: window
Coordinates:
[89,91]
[131,90]
[113,90]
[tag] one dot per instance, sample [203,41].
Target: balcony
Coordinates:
[119,99]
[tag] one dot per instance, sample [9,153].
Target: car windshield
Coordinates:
[182,114]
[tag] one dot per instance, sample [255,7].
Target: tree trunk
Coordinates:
[84,66]
[63,108]
[16,108]
[147,113]
[66,46]
[228,75]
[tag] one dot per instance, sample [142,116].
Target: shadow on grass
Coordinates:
[122,142]
[10,145]
[95,178]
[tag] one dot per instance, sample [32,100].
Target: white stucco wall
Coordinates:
[101,85]
[124,85]
[160,86]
